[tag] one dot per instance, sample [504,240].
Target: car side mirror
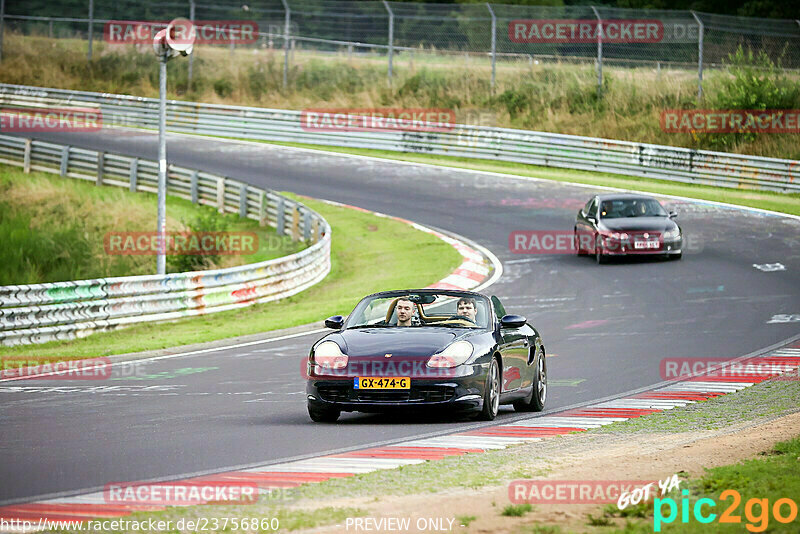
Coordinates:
[673,214]
[336,322]
[591,219]
[512,321]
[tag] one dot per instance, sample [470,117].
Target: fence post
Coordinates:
[221,195]
[280,223]
[243,202]
[101,163]
[699,55]
[306,225]
[295,223]
[2,23]
[26,158]
[195,188]
[315,230]
[191,56]
[91,29]
[599,52]
[262,208]
[494,43]
[64,161]
[134,174]
[50,28]
[391,38]
[286,43]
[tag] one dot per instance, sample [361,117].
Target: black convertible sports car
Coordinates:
[428,348]
[626,223]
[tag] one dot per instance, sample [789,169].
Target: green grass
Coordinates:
[773,476]
[780,202]
[516,510]
[368,254]
[465,520]
[53,229]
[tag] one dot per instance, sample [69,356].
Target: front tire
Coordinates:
[535,402]
[598,251]
[578,247]
[323,415]
[491,393]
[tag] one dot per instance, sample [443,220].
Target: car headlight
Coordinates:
[672,234]
[452,355]
[328,355]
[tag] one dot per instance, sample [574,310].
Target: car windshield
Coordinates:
[631,207]
[450,310]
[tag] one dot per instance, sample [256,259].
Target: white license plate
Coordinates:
[646,244]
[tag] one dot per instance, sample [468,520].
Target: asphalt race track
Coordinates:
[606,328]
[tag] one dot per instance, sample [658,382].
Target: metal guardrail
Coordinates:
[537,148]
[65,310]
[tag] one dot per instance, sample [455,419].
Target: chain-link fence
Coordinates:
[482,36]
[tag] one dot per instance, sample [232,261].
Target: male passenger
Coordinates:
[405,312]
[466,306]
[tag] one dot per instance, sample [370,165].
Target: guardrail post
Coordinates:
[391,39]
[494,43]
[306,225]
[701,29]
[91,29]
[286,24]
[295,223]
[191,56]
[133,175]
[26,158]
[262,208]
[221,195]
[243,202]
[280,223]
[2,23]
[64,161]
[101,163]
[194,187]
[599,52]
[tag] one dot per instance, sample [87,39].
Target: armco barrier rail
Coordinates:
[65,310]
[538,148]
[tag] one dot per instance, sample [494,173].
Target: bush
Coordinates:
[223,87]
[755,83]
[206,221]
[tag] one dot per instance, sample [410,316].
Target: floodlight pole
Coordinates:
[162,164]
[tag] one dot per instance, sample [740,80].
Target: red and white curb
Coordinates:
[292,474]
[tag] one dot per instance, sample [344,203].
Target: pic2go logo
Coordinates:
[702,511]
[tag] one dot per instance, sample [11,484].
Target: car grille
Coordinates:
[334,393]
[415,394]
[384,396]
[436,394]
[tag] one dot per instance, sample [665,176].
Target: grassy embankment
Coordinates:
[550,97]
[53,230]
[368,254]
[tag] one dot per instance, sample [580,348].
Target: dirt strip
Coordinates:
[574,457]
